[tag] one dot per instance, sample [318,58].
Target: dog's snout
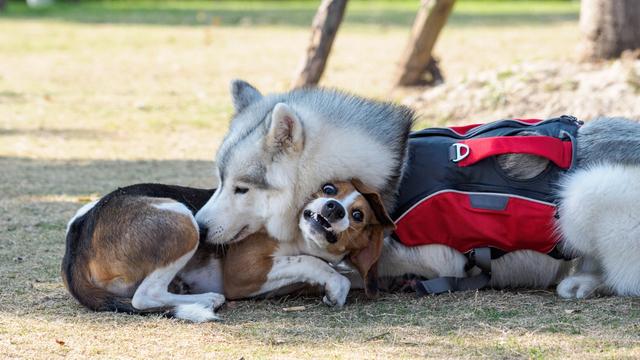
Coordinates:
[333,211]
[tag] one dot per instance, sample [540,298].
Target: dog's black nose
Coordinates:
[333,211]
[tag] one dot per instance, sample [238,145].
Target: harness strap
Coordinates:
[470,151]
[482,259]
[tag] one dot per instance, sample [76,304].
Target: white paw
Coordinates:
[195,312]
[579,286]
[213,300]
[336,291]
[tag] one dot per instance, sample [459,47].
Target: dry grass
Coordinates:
[86,107]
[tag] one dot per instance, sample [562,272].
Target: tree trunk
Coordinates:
[431,18]
[609,27]
[324,28]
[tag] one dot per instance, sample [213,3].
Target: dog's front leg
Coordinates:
[587,281]
[290,270]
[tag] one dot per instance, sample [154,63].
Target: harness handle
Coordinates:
[470,151]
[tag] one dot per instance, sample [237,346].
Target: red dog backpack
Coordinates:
[455,193]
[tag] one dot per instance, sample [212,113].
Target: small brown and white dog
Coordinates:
[138,250]
[124,251]
[343,221]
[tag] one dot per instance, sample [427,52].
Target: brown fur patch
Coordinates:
[132,238]
[246,265]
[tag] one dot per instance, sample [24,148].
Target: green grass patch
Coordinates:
[291,13]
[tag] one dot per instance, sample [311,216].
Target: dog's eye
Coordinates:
[357,215]
[329,189]
[240,190]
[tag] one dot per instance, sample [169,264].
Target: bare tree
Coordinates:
[417,58]
[609,27]
[323,32]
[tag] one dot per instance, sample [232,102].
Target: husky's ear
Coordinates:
[243,94]
[285,131]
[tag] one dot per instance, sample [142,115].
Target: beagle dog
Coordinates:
[124,251]
[344,220]
[139,250]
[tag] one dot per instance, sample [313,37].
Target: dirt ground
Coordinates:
[536,90]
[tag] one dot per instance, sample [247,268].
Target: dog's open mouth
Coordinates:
[320,224]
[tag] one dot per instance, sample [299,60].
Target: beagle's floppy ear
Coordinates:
[375,201]
[285,131]
[366,260]
[243,94]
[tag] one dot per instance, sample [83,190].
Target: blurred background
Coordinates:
[141,78]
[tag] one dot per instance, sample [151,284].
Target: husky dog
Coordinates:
[599,221]
[282,147]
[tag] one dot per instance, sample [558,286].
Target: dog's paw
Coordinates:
[579,286]
[336,291]
[196,312]
[213,300]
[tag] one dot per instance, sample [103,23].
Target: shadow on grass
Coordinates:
[64,133]
[39,196]
[287,13]
[392,318]
[34,177]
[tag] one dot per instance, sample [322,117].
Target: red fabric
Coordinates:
[449,219]
[530,121]
[556,150]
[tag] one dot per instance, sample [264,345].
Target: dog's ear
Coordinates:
[375,201]
[285,131]
[243,94]
[366,260]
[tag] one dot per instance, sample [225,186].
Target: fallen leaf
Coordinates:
[294,308]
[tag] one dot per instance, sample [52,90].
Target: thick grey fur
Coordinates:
[612,140]
[388,123]
[609,140]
